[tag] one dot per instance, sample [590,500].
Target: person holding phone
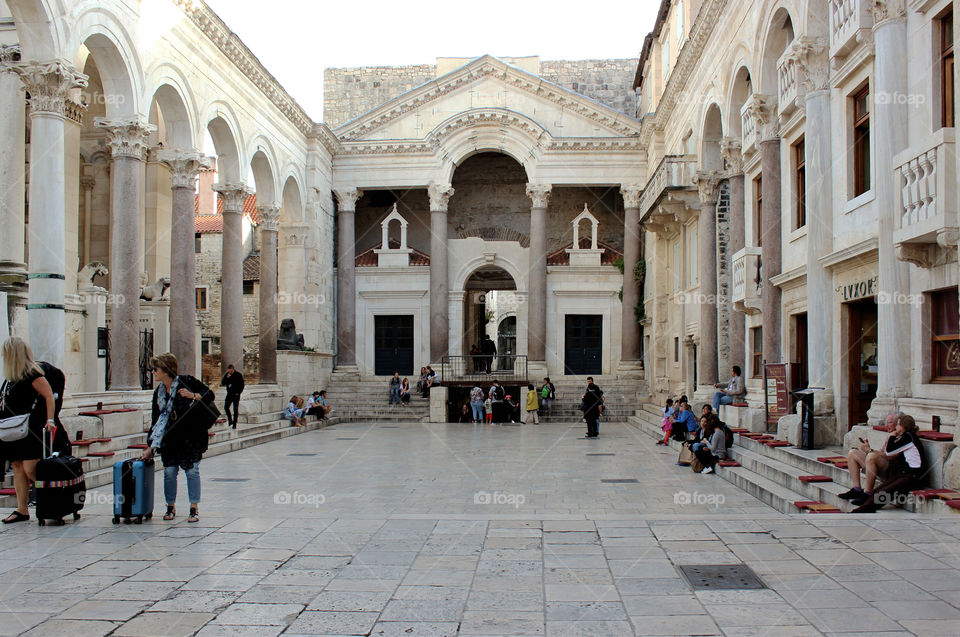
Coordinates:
[873,463]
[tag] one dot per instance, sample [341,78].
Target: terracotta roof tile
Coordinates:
[206,223]
[209,223]
[251,267]
[560,257]
[368,258]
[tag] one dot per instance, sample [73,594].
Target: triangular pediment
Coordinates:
[483,87]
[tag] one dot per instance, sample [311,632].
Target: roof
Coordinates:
[607,257]
[209,223]
[214,222]
[251,267]
[368,258]
[648,41]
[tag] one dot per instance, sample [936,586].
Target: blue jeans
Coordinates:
[719,398]
[477,410]
[394,394]
[170,483]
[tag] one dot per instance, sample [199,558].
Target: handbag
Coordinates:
[686,456]
[14,428]
[696,465]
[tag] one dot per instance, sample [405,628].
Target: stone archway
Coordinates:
[490,299]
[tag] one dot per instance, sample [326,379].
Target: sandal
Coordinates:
[16,516]
[171,512]
[194,515]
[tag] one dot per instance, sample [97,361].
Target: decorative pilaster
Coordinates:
[184,167]
[440,194]
[707,182]
[87,184]
[269,227]
[13,270]
[733,158]
[234,195]
[49,85]
[346,277]
[537,313]
[632,240]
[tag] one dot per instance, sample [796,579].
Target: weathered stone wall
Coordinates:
[350,92]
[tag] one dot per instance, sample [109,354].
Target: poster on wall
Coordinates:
[777,395]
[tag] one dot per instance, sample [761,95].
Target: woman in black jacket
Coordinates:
[183,411]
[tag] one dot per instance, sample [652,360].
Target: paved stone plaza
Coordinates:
[454,529]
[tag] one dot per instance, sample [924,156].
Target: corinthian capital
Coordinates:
[732,153]
[884,10]
[539,194]
[439,196]
[347,199]
[760,110]
[233,195]
[707,182]
[126,136]
[269,218]
[631,196]
[49,85]
[184,166]
[9,55]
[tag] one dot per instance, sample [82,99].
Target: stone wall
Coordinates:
[349,93]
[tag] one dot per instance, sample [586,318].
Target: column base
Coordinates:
[631,370]
[350,372]
[537,371]
[879,408]
[13,279]
[702,395]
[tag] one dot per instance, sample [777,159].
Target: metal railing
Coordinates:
[506,367]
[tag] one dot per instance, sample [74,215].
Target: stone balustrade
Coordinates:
[746,275]
[675,172]
[926,212]
[789,70]
[848,19]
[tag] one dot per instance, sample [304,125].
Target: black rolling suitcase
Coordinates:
[61,487]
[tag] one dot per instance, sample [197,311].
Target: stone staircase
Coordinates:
[355,400]
[622,398]
[772,474]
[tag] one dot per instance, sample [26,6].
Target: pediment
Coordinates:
[484,86]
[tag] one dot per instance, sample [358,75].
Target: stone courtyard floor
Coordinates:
[368,529]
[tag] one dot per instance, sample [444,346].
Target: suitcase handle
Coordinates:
[53,435]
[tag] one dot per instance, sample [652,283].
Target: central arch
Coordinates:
[490,302]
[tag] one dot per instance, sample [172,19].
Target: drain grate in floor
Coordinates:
[618,480]
[231,479]
[601,454]
[301,454]
[721,577]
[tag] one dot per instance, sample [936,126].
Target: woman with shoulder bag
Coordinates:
[25,392]
[183,411]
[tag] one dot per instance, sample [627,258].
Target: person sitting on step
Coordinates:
[908,467]
[294,412]
[712,446]
[873,463]
[733,392]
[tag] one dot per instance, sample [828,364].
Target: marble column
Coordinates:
[537,281]
[87,184]
[630,359]
[49,85]
[127,139]
[730,149]
[889,137]
[708,183]
[13,270]
[346,277]
[439,299]
[231,275]
[269,227]
[770,250]
[184,168]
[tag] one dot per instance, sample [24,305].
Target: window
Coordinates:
[861,142]
[248,287]
[800,183]
[201,299]
[756,342]
[946,69]
[693,249]
[205,346]
[197,242]
[666,57]
[677,267]
[945,336]
[676,349]
[680,22]
[757,210]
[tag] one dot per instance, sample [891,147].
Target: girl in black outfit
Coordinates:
[183,411]
[907,466]
[26,391]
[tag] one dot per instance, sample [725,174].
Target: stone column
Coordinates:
[346,279]
[730,149]
[770,251]
[632,237]
[184,168]
[269,227]
[537,282]
[49,85]
[889,137]
[13,270]
[439,300]
[87,184]
[231,275]
[707,352]
[127,139]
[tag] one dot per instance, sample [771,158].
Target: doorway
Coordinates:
[583,344]
[393,345]
[862,362]
[801,370]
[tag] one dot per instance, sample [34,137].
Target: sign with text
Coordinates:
[777,397]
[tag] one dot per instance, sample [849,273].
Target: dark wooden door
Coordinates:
[393,345]
[800,351]
[862,370]
[583,347]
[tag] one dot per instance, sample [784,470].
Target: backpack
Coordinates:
[727,434]
[545,392]
[498,392]
[57,383]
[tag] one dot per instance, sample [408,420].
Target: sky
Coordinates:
[297,39]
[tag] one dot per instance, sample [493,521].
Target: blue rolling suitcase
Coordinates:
[132,491]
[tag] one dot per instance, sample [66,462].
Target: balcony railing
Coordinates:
[927,210]
[747,276]
[848,18]
[468,369]
[674,172]
[754,111]
[789,71]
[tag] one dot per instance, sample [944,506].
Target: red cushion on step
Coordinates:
[808,479]
[101,454]
[8,492]
[840,465]
[739,405]
[211,433]
[803,504]
[831,459]
[139,446]
[830,510]
[953,504]
[939,436]
[739,430]
[882,428]
[778,443]
[930,493]
[84,443]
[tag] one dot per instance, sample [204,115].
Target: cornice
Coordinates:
[325,136]
[210,24]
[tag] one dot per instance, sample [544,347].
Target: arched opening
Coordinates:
[779,38]
[490,319]
[740,91]
[491,200]
[710,158]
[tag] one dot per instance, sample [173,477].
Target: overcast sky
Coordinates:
[297,39]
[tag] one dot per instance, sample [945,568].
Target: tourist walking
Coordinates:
[395,389]
[489,349]
[182,412]
[532,406]
[233,381]
[592,408]
[547,394]
[25,390]
[476,403]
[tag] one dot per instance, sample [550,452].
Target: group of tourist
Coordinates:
[316,405]
[705,438]
[428,378]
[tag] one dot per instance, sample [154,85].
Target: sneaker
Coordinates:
[861,499]
[707,470]
[852,493]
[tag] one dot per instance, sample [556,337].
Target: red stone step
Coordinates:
[728,463]
[939,436]
[778,443]
[101,454]
[138,445]
[809,479]
[8,492]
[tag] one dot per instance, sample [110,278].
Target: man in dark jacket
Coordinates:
[489,349]
[592,406]
[233,381]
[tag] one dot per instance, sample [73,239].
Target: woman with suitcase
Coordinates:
[25,391]
[183,411]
